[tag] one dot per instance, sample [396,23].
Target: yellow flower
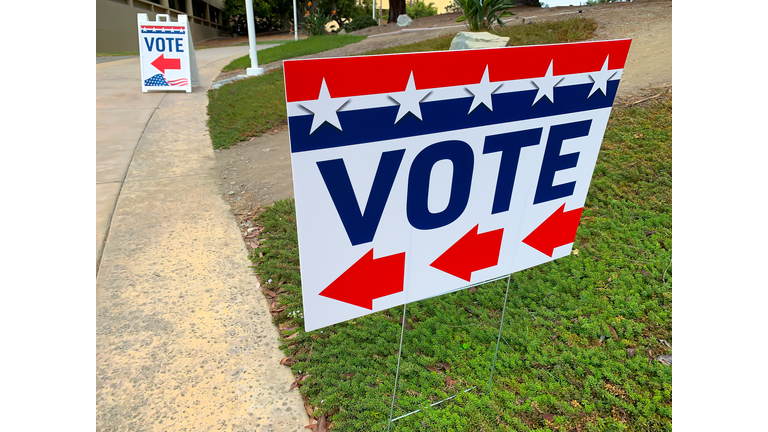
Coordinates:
[333,12]
[310,4]
[306,13]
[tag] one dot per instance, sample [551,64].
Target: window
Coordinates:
[179,5]
[198,8]
[215,14]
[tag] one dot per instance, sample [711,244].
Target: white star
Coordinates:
[546,85]
[409,100]
[482,92]
[600,79]
[324,109]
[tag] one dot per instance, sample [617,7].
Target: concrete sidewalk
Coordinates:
[184,337]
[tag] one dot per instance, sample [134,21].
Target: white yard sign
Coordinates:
[448,169]
[164,52]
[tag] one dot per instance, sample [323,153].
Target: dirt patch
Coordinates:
[258,172]
[649,25]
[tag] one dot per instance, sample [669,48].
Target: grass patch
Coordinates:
[273,42]
[441,43]
[231,109]
[246,109]
[538,33]
[549,32]
[580,335]
[117,54]
[291,49]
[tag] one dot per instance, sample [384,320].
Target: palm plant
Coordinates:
[483,14]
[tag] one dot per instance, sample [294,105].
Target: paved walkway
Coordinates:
[184,338]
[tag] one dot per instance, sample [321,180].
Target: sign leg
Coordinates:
[498,338]
[397,372]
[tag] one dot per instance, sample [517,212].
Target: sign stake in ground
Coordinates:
[414,182]
[167,55]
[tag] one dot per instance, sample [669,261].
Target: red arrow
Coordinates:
[559,229]
[368,279]
[471,253]
[162,63]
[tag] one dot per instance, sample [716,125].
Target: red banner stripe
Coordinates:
[163,28]
[357,76]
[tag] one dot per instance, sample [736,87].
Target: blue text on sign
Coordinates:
[361,225]
[160,45]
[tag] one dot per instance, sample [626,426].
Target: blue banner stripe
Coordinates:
[377,124]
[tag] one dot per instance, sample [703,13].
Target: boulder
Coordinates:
[474,40]
[404,21]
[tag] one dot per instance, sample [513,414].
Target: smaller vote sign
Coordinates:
[164,54]
[419,174]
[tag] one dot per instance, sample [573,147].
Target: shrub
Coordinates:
[315,22]
[360,22]
[452,7]
[420,9]
[481,15]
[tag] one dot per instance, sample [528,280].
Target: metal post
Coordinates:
[381,5]
[295,23]
[373,9]
[254,69]
[498,339]
[397,371]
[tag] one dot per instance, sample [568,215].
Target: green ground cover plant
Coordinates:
[291,49]
[582,336]
[248,108]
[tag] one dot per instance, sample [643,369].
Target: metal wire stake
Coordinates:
[498,339]
[397,372]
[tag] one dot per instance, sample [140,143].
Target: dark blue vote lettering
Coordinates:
[554,161]
[463,159]
[509,144]
[159,44]
[360,225]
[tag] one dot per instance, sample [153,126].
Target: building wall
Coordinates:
[116,27]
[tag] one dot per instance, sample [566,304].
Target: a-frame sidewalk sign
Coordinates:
[167,54]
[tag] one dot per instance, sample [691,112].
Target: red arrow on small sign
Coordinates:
[368,279]
[559,229]
[471,253]
[162,64]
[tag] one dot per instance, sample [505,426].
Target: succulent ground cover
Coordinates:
[586,342]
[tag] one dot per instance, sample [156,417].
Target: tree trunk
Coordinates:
[396,8]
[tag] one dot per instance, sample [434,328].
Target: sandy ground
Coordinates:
[184,338]
[256,173]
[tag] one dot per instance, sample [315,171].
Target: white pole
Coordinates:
[373,10]
[254,69]
[295,23]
